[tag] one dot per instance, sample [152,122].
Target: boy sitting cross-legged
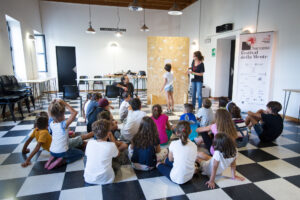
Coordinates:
[99,153]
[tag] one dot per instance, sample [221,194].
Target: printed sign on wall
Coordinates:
[254,70]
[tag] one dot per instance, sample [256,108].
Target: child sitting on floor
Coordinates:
[44,139]
[223,124]
[113,128]
[179,167]
[86,105]
[205,114]
[124,106]
[268,124]
[191,118]
[144,150]
[223,101]
[240,125]
[99,153]
[224,156]
[162,123]
[42,136]
[59,149]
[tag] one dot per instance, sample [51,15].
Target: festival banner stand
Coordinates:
[254,71]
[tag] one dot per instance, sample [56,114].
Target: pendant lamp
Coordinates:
[118,32]
[90,30]
[144,28]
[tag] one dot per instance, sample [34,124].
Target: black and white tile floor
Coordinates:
[272,170]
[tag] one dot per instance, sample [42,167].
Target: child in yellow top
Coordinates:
[42,136]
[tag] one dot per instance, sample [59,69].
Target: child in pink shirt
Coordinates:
[223,123]
[162,123]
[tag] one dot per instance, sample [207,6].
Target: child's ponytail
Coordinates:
[183,130]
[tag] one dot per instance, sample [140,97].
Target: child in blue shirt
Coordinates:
[191,118]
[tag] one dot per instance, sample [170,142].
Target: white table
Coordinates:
[95,79]
[44,86]
[287,94]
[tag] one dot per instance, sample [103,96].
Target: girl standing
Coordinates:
[197,70]
[168,86]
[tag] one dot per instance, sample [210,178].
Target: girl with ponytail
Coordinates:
[179,167]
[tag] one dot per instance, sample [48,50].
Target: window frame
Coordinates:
[45,52]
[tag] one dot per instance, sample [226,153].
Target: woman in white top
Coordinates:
[224,156]
[168,87]
[179,167]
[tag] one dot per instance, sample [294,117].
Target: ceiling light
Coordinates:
[135,6]
[31,37]
[118,33]
[174,10]
[144,28]
[114,45]
[90,30]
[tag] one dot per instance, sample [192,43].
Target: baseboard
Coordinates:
[291,119]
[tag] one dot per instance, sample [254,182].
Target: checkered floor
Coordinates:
[272,170]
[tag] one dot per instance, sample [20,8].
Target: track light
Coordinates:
[135,6]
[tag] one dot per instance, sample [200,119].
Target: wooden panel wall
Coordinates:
[162,50]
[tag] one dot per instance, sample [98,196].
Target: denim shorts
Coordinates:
[169,88]
[258,129]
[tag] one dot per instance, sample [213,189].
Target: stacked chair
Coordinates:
[11,92]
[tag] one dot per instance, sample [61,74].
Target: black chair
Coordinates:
[9,89]
[142,73]
[113,91]
[86,83]
[72,92]
[98,82]
[28,91]
[10,100]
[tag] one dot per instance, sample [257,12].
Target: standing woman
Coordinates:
[197,70]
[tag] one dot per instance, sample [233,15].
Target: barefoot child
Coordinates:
[224,156]
[179,167]
[168,87]
[59,149]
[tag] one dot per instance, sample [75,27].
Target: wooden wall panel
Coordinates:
[161,50]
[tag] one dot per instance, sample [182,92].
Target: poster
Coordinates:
[254,71]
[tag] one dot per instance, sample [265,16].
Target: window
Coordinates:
[40,48]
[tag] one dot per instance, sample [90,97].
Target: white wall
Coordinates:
[275,15]
[64,24]
[27,13]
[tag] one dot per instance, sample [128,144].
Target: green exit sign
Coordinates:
[213,52]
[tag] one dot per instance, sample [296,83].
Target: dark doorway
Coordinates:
[66,66]
[231,68]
